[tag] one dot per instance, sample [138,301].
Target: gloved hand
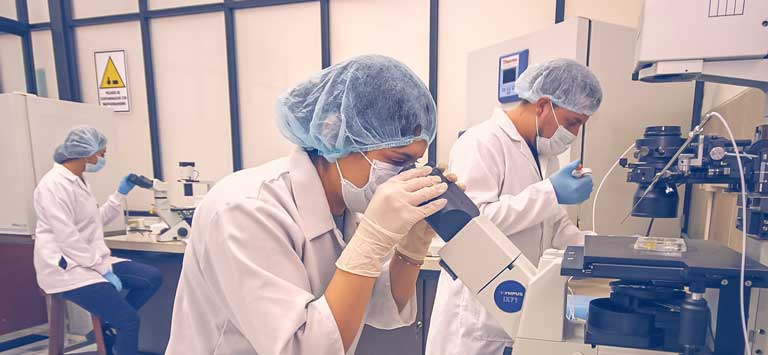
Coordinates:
[415,244]
[125,185]
[392,212]
[568,189]
[114,280]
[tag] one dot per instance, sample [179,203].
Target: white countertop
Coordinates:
[144,242]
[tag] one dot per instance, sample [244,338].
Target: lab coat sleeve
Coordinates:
[55,209]
[480,165]
[565,232]
[265,284]
[382,310]
[112,208]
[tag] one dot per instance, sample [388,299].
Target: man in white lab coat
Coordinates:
[503,162]
[280,260]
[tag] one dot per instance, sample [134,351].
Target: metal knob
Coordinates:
[717,153]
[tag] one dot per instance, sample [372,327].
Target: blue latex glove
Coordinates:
[125,185]
[568,189]
[114,280]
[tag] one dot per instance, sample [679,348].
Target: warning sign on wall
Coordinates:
[112,80]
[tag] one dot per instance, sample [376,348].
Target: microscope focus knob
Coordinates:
[717,153]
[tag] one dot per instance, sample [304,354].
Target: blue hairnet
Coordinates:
[365,103]
[81,142]
[566,82]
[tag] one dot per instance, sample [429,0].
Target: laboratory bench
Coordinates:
[168,256]
[157,313]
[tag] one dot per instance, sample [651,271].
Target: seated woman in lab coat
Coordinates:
[510,169]
[71,257]
[280,260]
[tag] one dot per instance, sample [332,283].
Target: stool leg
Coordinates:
[101,348]
[56,315]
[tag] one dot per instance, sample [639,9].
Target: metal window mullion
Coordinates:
[434,15]
[234,94]
[149,80]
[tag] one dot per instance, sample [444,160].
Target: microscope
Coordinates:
[178,221]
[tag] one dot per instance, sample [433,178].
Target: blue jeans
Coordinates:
[103,301]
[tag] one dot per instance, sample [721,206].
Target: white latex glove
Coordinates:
[415,244]
[392,212]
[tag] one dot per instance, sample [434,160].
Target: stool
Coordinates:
[57,311]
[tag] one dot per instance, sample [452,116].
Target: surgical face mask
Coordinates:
[92,168]
[358,198]
[558,143]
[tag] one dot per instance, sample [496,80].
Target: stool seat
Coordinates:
[57,312]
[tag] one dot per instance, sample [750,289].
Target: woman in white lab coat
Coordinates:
[280,261]
[70,255]
[503,163]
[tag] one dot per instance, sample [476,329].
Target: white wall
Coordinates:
[164,4]
[132,127]
[191,80]
[718,94]
[8,9]
[38,11]
[94,8]
[269,63]
[620,12]
[395,28]
[11,64]
[463,28]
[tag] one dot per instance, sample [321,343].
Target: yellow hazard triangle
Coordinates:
[111,78]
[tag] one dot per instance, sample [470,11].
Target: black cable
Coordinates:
[581,162]
[650,226]
[583,138]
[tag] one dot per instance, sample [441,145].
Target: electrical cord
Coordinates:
[600,186]
[742,309]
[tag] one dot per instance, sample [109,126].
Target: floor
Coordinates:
[74,344]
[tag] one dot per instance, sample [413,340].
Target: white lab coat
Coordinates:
[262,252]
[502,178]
[70,231]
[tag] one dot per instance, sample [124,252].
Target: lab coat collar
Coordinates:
[63,171]
[511,130]
[309,195]
[506,125]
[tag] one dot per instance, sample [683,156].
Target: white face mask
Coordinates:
[358,198]
[92,168]
[558,143]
